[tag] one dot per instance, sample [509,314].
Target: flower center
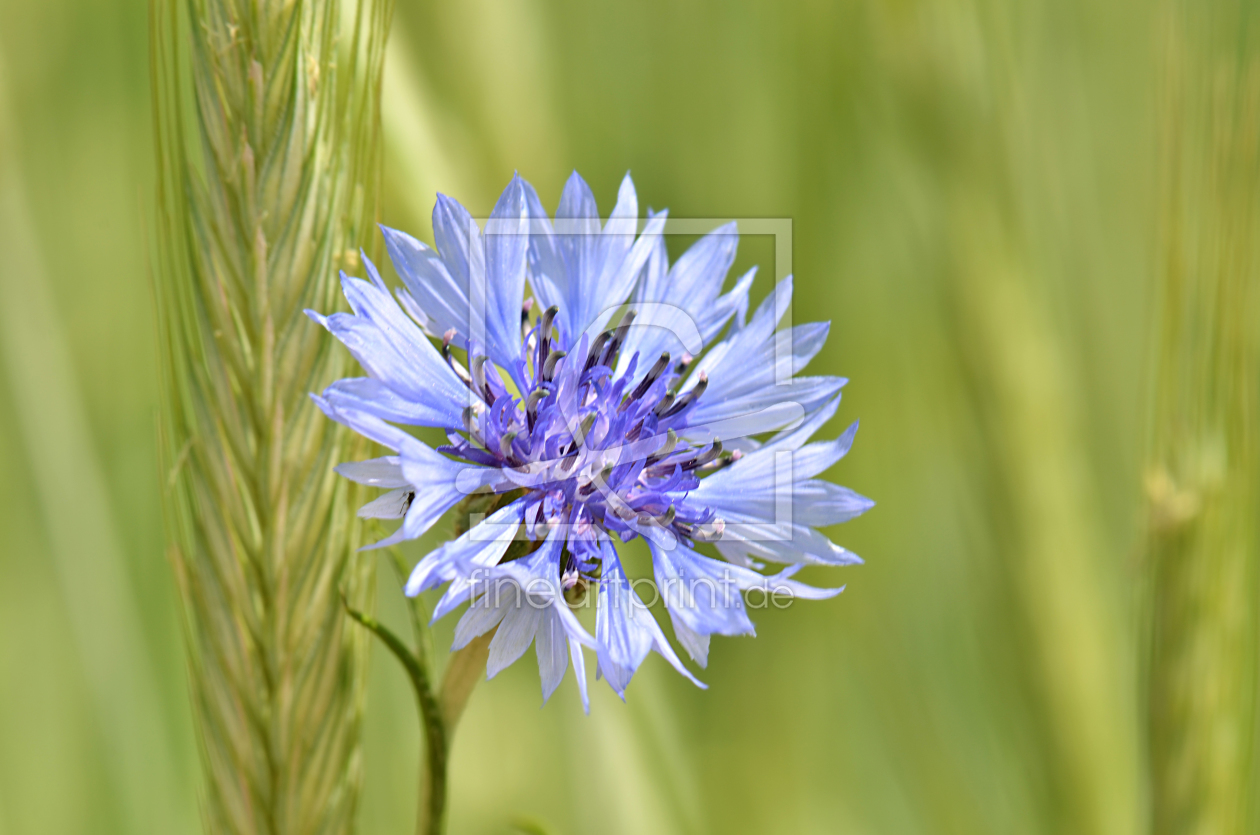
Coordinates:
[589,446]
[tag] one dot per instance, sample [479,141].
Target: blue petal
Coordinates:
[375,472]
[391,505]
[579,672]
[459,561]
[521,598]
[583,270]
[805,394]
[745,541]
[520,625]
[376,398]
[821,503]
[369,426]
[551,647]
[751,489]
[547,274]
[456,235]
[791,439]
[701,593]
[438,481]
[392,349]
[691,290]
[497,278]
[625,628]
[439,291]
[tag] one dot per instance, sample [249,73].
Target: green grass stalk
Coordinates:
[1203,478]
[268,140]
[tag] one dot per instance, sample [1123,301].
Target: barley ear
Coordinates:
[267,134]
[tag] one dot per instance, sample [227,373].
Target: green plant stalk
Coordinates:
[1203,479]
[439,712]
[431,816]
[268,141]
[439,707]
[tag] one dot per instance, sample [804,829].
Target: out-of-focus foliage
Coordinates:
[1203,483]
[973,189]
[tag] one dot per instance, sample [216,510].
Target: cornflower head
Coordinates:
[577,434]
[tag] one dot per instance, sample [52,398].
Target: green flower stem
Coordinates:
[431,818]
[440,706]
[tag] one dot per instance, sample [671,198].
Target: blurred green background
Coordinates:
[972,190]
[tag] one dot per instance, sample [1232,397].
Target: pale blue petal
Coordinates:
[579,672]
[458,561]
[480,618]
[456,235]
[391,505]
[497,287]
[697,645]
[791,439]
[376,398]
[520,624]
[392,349]
[438,481]
[441,297]
[782,586]
[606,297]
[821,503]
[745,540]
[369,426]
[623,640]
[806,393]
[759,470]
[376,472]
[548,276]
[701,593]
[625,628]
[551,647]
[691,290]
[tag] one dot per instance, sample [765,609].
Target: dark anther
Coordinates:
[663,406]
[548,317]
[646,383]
[691,395]
[544,330]
[721,463]
[705,457]
[618,339]
[549,367]
[710,532]
[450,360]
[505,444]
[478,369]
[592,356]
[584,429]
[531,405]
[671,441]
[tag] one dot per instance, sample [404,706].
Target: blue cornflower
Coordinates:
[578,435]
